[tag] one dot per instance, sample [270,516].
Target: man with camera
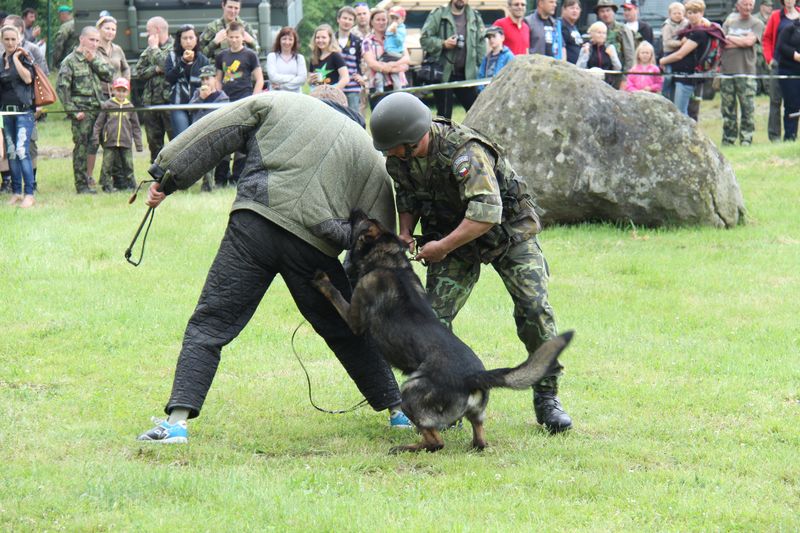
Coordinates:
[453,35]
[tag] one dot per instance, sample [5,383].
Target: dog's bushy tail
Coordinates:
[525,375]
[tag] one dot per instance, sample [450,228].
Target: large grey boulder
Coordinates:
[594,153]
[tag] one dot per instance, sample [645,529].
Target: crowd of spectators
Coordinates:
[365,55]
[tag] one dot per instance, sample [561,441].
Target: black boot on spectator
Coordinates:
[548,408]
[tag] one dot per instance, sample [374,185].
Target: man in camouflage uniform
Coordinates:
[742,31]
[150,69]
[619,35]
[473,209]
[79,87]
[214,37]
[66,39]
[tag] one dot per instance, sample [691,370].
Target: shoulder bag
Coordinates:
[431,70]
[43,93]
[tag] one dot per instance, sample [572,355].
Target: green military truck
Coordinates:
[132,15]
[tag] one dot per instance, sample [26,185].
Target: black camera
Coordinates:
[460,41]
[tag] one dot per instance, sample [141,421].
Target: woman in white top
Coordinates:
[286,68]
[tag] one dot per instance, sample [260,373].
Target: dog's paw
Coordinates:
[480,445]
[320,280]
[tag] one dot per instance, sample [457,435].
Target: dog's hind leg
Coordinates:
[478,436]
[431,442]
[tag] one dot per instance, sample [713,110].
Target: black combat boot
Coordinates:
[548,408]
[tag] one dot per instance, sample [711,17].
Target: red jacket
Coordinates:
[770,37]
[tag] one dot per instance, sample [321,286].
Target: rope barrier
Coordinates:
[425,88]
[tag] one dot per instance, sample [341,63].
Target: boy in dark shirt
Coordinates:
[238,69]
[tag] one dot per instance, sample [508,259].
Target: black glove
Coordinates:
[164,178]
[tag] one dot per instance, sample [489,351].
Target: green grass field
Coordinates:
[683,381]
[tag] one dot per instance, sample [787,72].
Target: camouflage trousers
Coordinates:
[82,139]
[743,91]
[117,171]
[524,272]
[156,125]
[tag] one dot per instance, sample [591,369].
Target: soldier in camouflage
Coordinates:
[150,69]
[214,38]
[66,39]
[80,89]
[473,209]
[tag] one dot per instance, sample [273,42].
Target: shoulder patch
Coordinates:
[461,166]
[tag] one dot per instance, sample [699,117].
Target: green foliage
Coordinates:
[682,380]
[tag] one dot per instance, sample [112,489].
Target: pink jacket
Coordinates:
[644,83]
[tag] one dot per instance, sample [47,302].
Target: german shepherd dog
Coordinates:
[446,380]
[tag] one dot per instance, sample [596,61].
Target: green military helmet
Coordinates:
[400,118]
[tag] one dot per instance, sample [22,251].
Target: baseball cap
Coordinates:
[121,82]
[630,4]
[492,30]
[208,71]
[64,9]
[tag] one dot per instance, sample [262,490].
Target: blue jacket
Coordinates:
[496,66]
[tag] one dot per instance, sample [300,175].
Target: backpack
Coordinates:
[709,59]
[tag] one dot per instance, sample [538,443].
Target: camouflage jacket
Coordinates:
[156,87]
[211,49]
[465,176]
[80,82]
[66,41]
[624,41]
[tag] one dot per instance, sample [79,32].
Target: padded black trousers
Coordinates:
[253,251]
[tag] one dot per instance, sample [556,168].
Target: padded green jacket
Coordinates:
[307,165]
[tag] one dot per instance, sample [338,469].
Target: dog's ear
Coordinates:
[368,231]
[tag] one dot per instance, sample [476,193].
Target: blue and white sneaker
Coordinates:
[399,420]
[166,433]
